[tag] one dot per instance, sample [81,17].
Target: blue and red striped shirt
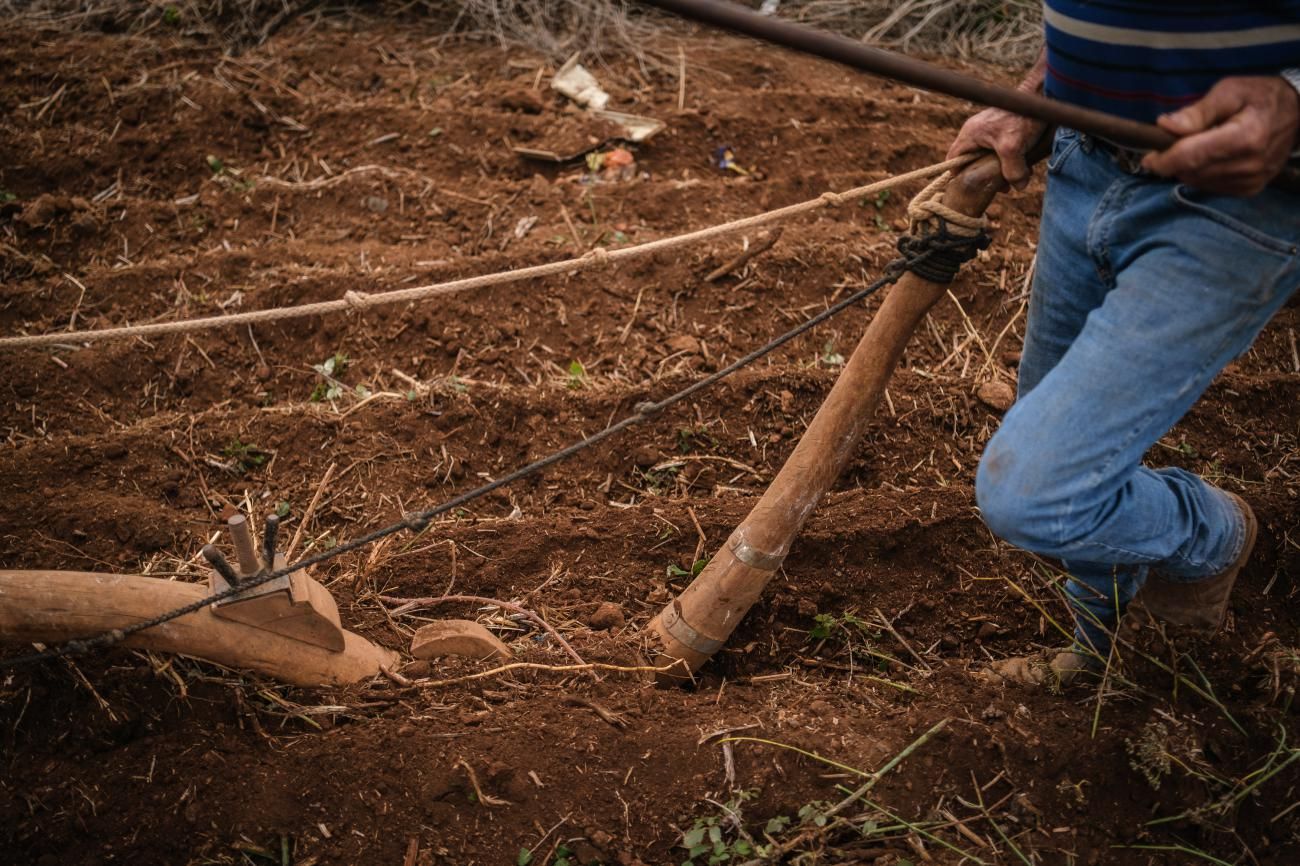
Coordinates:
[1143,58]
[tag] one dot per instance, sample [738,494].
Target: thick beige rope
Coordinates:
[598,257]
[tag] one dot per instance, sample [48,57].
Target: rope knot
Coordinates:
[357,300]
[832,198]
[941,239]
[599,257]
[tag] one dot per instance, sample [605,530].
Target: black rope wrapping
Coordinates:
[947,251]
[917,254]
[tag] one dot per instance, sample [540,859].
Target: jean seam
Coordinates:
[1099,231]
[1247,232]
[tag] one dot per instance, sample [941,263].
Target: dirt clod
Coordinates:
[997,394]
[607,616]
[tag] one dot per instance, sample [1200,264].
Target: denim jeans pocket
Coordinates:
[1067,142]
[1243,216]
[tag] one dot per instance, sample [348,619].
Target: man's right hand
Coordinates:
[1006,134]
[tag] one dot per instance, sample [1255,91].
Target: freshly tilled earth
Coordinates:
[151,178]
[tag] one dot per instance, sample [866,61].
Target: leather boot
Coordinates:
[1201,604]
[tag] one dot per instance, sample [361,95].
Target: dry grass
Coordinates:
[1004,31]
[994,30]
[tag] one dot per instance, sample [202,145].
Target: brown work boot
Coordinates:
[1202,604]
[1053,669]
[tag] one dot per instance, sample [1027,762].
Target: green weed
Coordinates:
[577,375]
[675,570]
[329,388]
[243,457]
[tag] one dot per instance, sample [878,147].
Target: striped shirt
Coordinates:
[1143,58]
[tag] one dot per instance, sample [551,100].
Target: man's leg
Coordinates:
[1067,288]
[1194,282]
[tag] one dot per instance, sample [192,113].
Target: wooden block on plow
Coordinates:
[458,637]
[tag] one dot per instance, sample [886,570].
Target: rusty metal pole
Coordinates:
[693,626]
[909,70]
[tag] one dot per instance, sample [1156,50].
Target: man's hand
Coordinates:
[1233,141]
[1006,134]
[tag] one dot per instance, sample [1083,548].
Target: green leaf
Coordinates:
[715,834]
[697,850]
[777,824]
[699,566]
[215,165]
[525,857]
[693,837]
[675,570]
[282,510]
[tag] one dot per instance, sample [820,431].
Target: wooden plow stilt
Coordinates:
[695,625]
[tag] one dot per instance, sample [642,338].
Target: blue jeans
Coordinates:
[1143,291]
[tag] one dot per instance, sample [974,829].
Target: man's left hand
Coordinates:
[1235,139]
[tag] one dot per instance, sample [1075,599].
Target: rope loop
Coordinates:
[927,206]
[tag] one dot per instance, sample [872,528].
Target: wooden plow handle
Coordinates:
[695,625]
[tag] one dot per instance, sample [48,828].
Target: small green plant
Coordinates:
[675,570]
[856,634]
[829,625]
[695,439]
[830,357]
[329,388]
[661,480]
[577,375]
[721,838]
[215,165]
[172,15]
[243,457]
[282,510]
[6,196]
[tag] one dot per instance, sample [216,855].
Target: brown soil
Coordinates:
[137,180]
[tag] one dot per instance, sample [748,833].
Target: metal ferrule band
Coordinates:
[679,630]
[752,556]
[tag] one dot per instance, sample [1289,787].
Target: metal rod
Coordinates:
[217,561]
[850,52]
[271,528]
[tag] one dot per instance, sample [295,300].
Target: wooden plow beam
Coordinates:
[56,606]
[696,624]
[287,628]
